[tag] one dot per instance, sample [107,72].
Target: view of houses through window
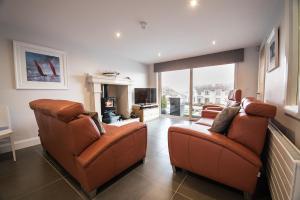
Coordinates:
[210,86]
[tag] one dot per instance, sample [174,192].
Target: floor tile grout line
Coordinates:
[64,178]
[117,182]
[150,180]
[39,188]
[178,187]
[82,196]
[184,195]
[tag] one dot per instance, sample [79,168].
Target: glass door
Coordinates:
[175,93]
[211,85]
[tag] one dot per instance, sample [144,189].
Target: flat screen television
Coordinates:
[144,95]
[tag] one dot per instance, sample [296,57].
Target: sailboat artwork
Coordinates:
[38,67]
[42,68]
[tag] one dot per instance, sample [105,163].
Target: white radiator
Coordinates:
[283,167]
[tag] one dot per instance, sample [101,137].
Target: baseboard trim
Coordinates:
[20,144]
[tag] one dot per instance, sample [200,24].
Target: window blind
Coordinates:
[220,58]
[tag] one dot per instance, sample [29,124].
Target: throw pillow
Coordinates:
[223,119]
[3,128]
[95,118]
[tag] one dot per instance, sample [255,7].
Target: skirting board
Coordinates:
[21,144]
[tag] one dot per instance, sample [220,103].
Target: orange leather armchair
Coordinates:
[234,159]
[234,97]
[210,111]
[74,141]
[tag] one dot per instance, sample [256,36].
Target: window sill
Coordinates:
[292,111]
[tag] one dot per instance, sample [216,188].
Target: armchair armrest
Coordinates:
[203,133]
[106,141]
[211,106]
[219,108]
[209,113]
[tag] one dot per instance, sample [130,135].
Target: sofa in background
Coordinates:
[234,98]
[208,115]
[74,141]
[232,159]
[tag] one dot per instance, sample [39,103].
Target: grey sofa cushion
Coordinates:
[95,118]
[224,119]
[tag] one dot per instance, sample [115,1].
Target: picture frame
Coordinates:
[272,50]
[38,67]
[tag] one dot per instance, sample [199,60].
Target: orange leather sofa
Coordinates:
[234,97]
[234,159]
[73,140]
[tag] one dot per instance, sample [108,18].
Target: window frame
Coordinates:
[159,85]
[292,105]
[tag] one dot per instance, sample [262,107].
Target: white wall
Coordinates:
[80,62]
[276,80]
[247,71]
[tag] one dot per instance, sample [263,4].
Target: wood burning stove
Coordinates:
[108,107]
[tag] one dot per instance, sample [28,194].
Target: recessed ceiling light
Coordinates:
[118,34]
[193,3]
[214,42]
[159,54]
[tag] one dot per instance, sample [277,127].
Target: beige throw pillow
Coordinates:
[224,119]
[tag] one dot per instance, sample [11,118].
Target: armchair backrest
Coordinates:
[63,130]
[234,96]
[249,126]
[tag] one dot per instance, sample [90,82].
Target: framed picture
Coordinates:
[272,48]
[39,67]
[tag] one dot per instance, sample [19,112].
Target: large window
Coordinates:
[211,86]
[292,101]
[184,95]
[175,92]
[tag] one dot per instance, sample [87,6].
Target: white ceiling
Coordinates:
[175,29]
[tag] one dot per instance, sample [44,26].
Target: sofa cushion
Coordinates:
[223,119]
[205,121]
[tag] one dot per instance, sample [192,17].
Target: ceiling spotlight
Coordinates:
[214,42]
[159,54]
[193,3]
[118,34]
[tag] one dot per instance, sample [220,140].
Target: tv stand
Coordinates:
[146,112]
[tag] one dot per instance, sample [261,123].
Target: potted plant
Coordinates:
[164,105]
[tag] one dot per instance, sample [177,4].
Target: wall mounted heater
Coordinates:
[283,166]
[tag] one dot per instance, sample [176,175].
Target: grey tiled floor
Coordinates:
[36,176]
